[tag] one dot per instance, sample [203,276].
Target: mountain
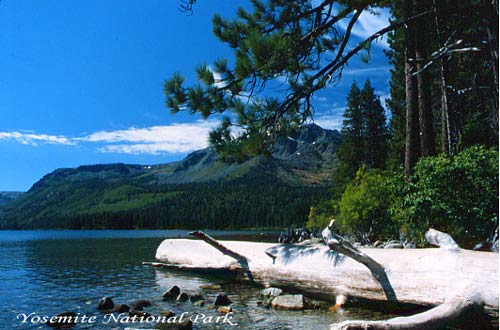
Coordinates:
[198,191]
[7,196]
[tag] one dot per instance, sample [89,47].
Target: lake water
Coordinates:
[49,272]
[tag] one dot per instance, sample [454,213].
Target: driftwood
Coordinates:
[445,278]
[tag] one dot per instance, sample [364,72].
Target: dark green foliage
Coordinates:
[352,150]
[365,133]
[376,133]
[457,195]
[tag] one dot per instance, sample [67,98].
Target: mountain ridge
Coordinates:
[303,161]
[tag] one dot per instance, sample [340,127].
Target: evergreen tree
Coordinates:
[365,133]
[376,133]
[352,150]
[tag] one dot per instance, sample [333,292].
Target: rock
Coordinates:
[316,304]
[410,245]
[64,320]
[106,304]
[288,301]
[483,246]
[199,303]
[211,287]
[138,314]
[271,292]
[167,313]
[222,300]
[138,305]
[183,297]
[184,325]
[121,308]
[377,243]
[196,297]
[224,309]
[173,293]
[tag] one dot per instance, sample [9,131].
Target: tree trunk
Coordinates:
[424,84]
[411,140]
[446,147]
[426,277]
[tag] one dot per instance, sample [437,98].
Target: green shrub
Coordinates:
[364,205]
[457,195]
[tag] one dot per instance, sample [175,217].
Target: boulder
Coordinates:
[199,303]
[106,304]
[139,314]
[183,297]
[196,297]
[224,309]
[271,292]
[138,305]
[167,313]
[173,293]
[184,325]
[222,300]
[288,301]
[121,308]
[316,304]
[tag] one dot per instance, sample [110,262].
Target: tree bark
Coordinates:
[411,137]
[446,147]
[424,84]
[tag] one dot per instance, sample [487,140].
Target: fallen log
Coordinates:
[426,277]
[435,318]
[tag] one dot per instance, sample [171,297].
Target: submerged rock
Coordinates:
[316,304]
[64,320]
[167,313]
[121,308]
[224,309]
[139,314]
[196,297]
[199,303]
[288,301]
[173,293]
[183,297]
[271,292]
[184,325]
[106,304]
[211,287]
[222,300]
[138,305]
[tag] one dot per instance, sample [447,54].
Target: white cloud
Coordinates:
[368,23]
[35,139]
[332,119]
[377,70]
[174,138]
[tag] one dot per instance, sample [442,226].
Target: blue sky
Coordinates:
[81,82]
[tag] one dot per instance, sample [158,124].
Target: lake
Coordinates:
[52,271]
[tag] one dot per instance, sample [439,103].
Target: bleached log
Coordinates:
[340,245]
[417,276]
[435,318]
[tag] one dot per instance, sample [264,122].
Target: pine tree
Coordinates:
[376,132]
[352,151]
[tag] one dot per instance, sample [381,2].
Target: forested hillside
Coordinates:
[199,191]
